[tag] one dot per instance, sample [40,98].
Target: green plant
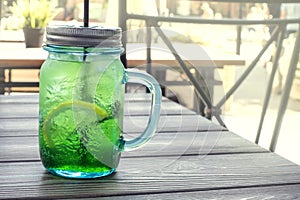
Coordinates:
[33,13]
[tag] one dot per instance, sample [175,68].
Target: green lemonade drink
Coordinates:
[81,114]
[82,88]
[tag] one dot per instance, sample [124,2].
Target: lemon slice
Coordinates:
[61,124]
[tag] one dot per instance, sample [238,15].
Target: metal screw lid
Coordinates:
[79,36]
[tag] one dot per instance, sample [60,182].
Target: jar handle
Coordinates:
[154,88]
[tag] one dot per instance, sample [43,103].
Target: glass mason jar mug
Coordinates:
[82,88]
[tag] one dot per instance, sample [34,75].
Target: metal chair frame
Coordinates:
[152,21]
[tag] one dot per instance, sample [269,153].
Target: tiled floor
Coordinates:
[244,115]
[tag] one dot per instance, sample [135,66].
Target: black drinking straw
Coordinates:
[86,13]
[85,21]
[84,90]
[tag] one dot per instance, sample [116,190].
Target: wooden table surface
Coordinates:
[136,55]
[189,158]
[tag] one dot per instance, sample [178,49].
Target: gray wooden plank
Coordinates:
[18,110]
[135,108]
[19,98]
[18,126]
[34,97]
[288,192]
[19,148]
[171,123]
[166,174]
[162,144]
[132,124]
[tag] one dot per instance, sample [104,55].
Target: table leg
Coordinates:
[2,80]
[202,76]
